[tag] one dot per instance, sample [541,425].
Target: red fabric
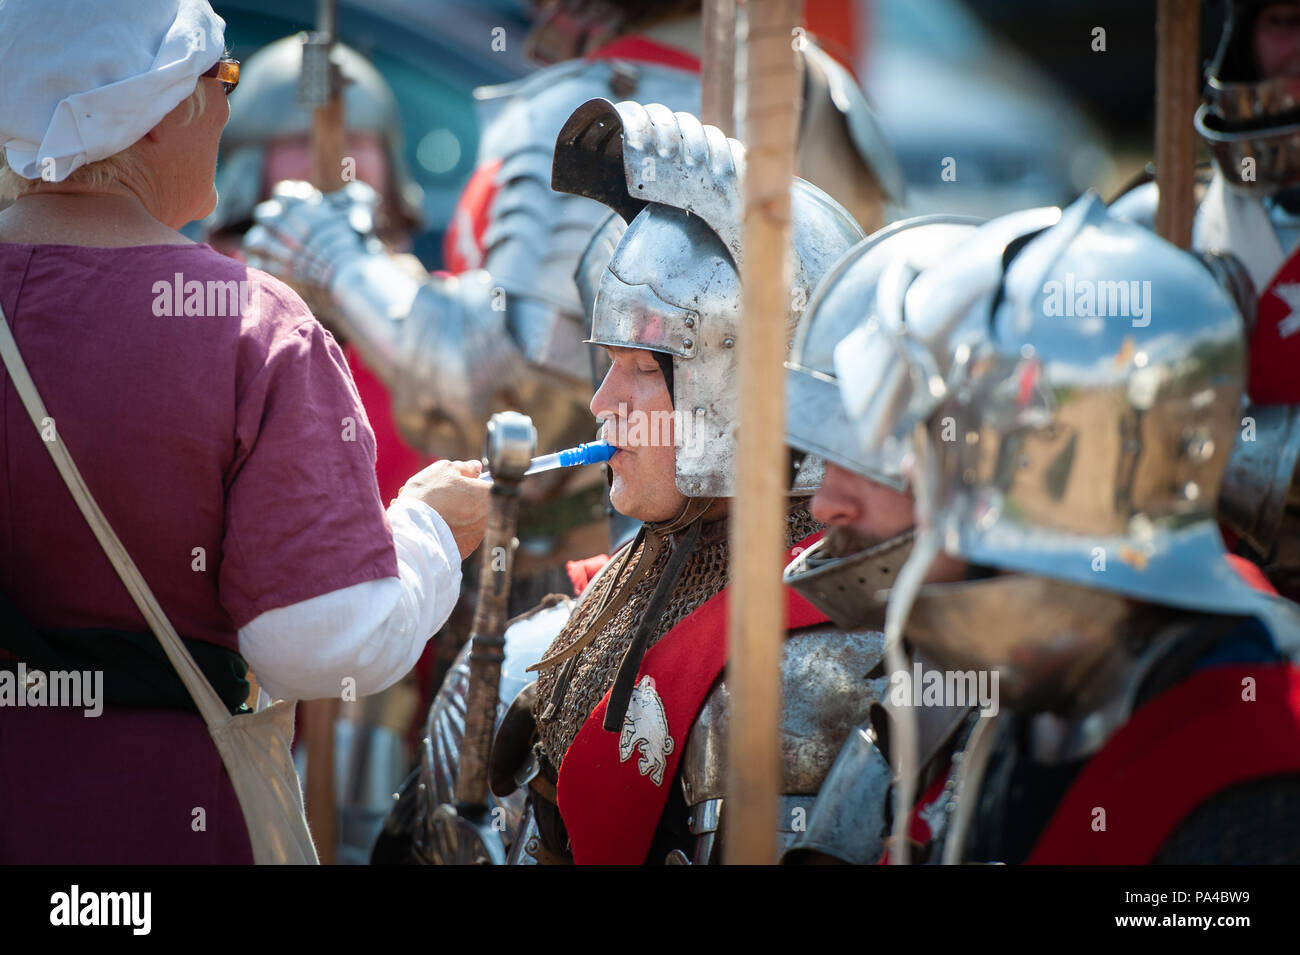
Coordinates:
[645,50]
[609,808]
[581,572]
[1177,751]
[462,246]
[1274,352]
[395,460]
[1251,574]
[918,829]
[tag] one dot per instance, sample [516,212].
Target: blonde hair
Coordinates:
[99,174]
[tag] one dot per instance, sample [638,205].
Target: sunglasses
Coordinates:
[226,70]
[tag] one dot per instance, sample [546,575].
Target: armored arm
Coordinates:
[452,350]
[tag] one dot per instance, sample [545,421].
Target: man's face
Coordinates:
[860,508]
[862,513]
[1277,41]
[291,158]
[635,411]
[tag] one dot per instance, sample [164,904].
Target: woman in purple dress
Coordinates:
[215,423]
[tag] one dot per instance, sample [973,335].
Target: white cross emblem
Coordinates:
[1290,294]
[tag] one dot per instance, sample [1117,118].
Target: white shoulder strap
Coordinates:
[205,698]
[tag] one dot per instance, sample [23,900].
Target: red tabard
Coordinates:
[1274,351]
[610,808]
[1177,751]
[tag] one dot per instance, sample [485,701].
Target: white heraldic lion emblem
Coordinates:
[645,728]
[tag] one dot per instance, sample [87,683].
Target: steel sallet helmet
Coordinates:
[1250,123]
[1079,387]
[673,282]
[846,586]
[816,422]
[266,108]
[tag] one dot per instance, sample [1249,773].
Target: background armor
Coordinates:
[673,283]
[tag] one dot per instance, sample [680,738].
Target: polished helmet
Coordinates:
[672,284]
[266,108]
[846,586]
[1077,391]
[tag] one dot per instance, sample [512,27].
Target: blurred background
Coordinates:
[1012,90]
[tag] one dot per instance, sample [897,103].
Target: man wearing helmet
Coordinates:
[1078,456]
[865,502]
[1251,209]
[630,696]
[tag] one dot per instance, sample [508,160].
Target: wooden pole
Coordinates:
[718,66]
[1177,96]
[769,93]
[329,142]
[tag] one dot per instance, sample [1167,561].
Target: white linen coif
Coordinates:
[81,81]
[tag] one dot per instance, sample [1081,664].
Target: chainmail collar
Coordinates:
[605,622]
[647,545]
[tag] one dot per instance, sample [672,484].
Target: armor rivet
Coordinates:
[728,342]
[687,343]
[690,322]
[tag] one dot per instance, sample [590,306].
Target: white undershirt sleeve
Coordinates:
[371,632]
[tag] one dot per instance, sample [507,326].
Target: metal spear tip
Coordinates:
[511,441]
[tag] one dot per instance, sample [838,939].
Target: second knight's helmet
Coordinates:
[846,586]
[1250,123]
[672,283]
[1078,386]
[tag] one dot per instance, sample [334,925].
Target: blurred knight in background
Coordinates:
[1250,121]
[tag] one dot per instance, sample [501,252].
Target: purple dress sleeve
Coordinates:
[303,515]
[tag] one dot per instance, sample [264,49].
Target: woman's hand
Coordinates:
[452,488]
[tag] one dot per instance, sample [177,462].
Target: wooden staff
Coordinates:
[718,66]
[769,92]
[511,442]
[1177,80]
[321,88]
